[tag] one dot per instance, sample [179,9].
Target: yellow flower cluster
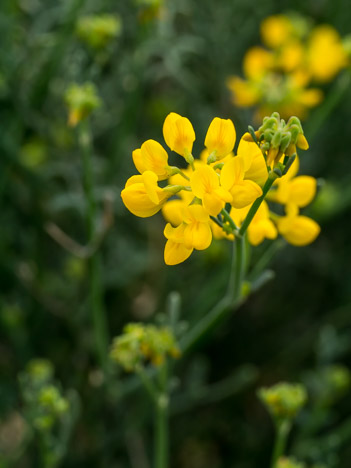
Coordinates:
[277,77]
[219,194]
[140,343]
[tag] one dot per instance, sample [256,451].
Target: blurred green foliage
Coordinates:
[167,56]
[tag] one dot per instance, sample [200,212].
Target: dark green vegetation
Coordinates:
[291,329]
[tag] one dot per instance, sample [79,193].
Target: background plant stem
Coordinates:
[161,422]
[282,432]
[95,270]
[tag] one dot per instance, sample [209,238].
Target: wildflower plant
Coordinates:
[287,73]
[50,412]
[221,194]
[254,192]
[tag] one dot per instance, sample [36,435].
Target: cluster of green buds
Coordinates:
[81,100]
[283,400]
[285,462]
[44,402]
[143,343]
[329,384]
[97,31]
[278,139]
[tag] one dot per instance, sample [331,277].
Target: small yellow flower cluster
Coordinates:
[81,100]
[283,400]
[196,200]
[44,402]
[285,462]
[97,31]
[277,77]
[140,343]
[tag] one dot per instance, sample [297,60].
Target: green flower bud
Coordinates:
[98,30]
[140,343]
[283,400]
[81,100]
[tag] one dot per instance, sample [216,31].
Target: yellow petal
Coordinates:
[175,249]
[173,211]
[302,142]
[178,133]
[243,93]
[198,235]
[138,161]
[298,230]
[257,62]
[138,202]
[245,193]
[248,150]
[154,158]
[195,213]
[276,30]
[150,183]
[302,190]
[220,137]
[232,172]
[212,203]
[204,180]
[258,171]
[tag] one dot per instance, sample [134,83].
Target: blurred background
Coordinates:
[146,59]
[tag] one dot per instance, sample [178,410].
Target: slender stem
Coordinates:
[256,204]
[161,422]
[95,270]
[283,429]
[229,219]
[148,384]
[229,302]
[239,267]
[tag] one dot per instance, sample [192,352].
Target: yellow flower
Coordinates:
[142,196]
[291,56]
[175,249]
[152,157]
[220,138]
[297,230]
[244,93]
[299,191]
[197,233]
[243,191]
[326,55]
[254,163]
[172,210]
[276,30]
[179,134]
[257,62]
[205,185]
[261,227]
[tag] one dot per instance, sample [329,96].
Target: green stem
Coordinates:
[283,429]
[257,203]
[229,302]
[95,270]
[161,421]
[237,274]
[229,219]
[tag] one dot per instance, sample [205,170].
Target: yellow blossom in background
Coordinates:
[276,30]
[326,55]
[222,189]
[283,76]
